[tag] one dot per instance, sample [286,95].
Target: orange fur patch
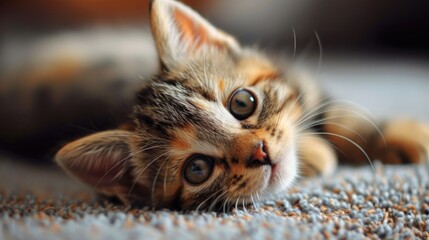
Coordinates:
[221,84]
[256,70]
[265,76]
[179,143]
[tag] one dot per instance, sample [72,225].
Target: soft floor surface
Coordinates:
[42,203]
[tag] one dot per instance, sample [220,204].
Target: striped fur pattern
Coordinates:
[183,111]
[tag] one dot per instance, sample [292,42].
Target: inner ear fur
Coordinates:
[180,32]
[100,160]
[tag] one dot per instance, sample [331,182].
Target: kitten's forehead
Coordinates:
[224,68]
[198,90]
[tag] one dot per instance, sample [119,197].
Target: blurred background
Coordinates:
[69,67]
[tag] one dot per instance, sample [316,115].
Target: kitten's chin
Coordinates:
[283,173]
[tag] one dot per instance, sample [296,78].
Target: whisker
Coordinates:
[177,168]
[301,138]
[227,202]
[236,204]
[257,196]
[224,204]
[156,178]
[333,110]
[244,207]
[337,106]
[251,198]
[319,68]
[198,207]
[135,182]
[313,113]
[304,53]
[350,141]
[294,42]
[119,162]
[216,201]
[138,176]
[322,122]
[366,112]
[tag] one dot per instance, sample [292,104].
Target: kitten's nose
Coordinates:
[259,156]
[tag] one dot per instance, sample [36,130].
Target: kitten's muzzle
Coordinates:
[259,157]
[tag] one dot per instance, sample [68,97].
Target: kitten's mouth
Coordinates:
[278,169]
[273,165]
[282,171]
[269,162]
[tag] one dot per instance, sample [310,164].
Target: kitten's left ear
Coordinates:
[100,160]
[181,33]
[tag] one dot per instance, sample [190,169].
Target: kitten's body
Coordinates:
[190,147]
[66,85]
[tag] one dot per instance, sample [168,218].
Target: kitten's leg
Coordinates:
[317,156]
[396,142]
[407,142]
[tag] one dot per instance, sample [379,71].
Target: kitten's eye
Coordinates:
[198,169]
[242,104]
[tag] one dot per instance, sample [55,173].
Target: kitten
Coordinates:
[222,124]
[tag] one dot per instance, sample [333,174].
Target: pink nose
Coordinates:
[259,156]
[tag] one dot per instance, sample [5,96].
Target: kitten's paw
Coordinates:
[316,157]
[407,141]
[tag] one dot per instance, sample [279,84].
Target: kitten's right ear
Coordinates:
[101,161]
[181,33]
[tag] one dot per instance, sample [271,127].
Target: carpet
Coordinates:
[355,203]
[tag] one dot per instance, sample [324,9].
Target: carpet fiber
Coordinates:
[43,203]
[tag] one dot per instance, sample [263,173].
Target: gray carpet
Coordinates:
[43,203]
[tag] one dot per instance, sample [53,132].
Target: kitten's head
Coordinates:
[213,129]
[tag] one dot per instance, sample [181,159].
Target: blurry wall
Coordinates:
[360,25]
[353,25]
[48,14]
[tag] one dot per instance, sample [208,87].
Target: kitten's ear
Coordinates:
[180,32]
[100,160]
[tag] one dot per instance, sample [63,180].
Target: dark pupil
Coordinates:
[198,170]
[242,104]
